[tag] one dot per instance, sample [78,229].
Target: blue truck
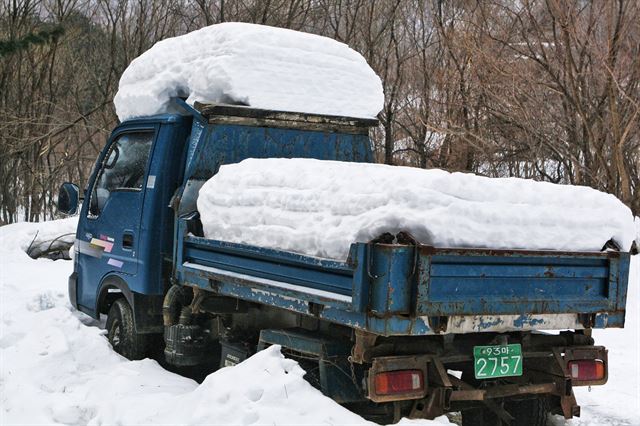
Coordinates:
[398,329]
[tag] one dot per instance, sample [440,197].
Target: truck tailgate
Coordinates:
[477,281]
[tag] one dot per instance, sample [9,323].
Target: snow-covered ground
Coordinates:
[256,65]
[618,402]
[36,237]
[320,207]
[56,366]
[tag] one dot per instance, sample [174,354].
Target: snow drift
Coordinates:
[256,65]
[27,236]
[320,207]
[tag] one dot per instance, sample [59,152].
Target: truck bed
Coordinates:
[398,289]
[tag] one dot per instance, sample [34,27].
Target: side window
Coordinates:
[122,169]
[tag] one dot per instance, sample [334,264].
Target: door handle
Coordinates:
[127,240]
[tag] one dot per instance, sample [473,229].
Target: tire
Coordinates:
[525,412]
[480,416]
[122,334]
[382,414]
[529,412]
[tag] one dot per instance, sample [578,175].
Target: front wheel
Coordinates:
[122,334]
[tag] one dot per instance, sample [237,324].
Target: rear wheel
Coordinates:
[529,412]
[525,412]
[480,416]
[382,413]
[122,334]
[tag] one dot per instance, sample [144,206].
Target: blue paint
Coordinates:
[390,283]
[526,320]
[487,324]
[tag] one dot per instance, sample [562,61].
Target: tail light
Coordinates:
[586,369]
[399,382]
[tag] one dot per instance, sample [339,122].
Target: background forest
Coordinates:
[537,89]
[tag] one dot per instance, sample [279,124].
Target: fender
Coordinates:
[112,282]
[147,309]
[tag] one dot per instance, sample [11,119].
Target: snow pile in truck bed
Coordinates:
[320,207]
[256,65]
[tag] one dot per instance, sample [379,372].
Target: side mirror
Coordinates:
[68,198]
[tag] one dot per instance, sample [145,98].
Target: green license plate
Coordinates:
[497,361]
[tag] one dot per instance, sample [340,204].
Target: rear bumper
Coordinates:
[73,289]
[545,373]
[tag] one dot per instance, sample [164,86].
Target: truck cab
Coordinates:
[124,239]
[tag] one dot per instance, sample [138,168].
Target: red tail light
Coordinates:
[586,369]
[398,382]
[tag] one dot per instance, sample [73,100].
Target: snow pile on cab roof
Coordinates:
[256,65]
[320,207]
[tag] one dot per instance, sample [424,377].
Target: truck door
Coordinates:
[109,232]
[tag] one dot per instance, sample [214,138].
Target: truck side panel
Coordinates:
[394,290]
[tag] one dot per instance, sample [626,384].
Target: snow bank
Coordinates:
[256,65]
[30,235]
[320,207]
[57,367]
